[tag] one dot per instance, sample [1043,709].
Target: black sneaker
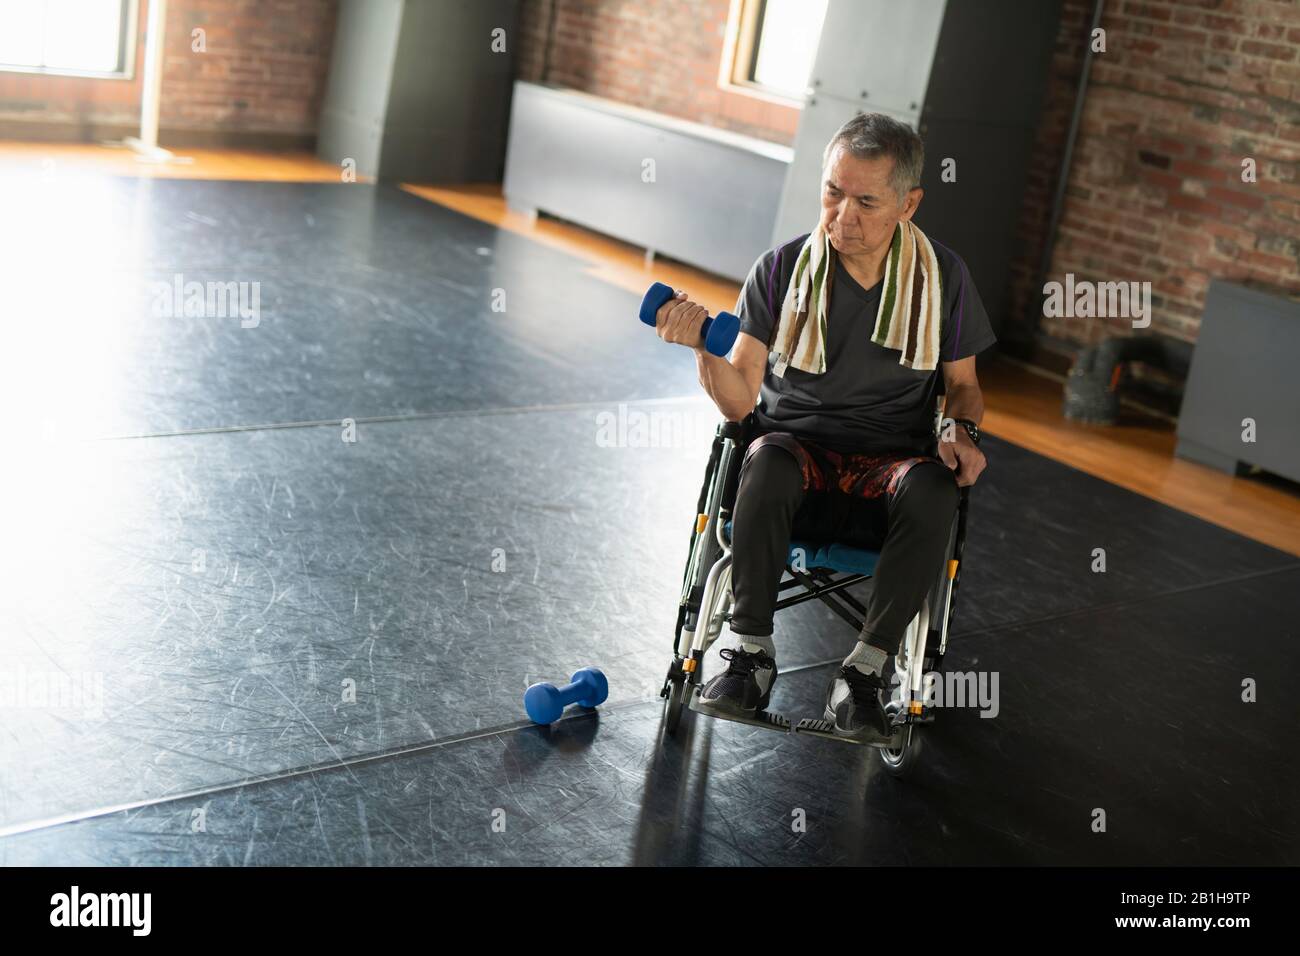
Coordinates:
[745,686]
[855,703]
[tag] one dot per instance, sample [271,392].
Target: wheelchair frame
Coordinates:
[706,601]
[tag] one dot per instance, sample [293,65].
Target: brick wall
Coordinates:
[261,80]
[1184,92]
[265,68]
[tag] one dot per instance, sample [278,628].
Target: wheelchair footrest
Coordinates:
[826,729]
[766,719]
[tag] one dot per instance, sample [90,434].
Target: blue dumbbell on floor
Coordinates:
[718,332]
[546,702]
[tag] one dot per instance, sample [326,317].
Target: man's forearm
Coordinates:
[964,401]
[724,384]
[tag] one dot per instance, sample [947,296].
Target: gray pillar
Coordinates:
[417,91]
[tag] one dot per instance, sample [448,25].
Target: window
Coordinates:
[775,42]
[78,37]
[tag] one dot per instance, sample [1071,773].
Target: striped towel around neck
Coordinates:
[908,319]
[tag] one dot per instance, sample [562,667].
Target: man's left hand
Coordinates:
[962,456]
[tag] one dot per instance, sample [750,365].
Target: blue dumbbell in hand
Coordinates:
[546,702]
[718,332]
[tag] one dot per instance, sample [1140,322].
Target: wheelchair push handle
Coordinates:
[718,333]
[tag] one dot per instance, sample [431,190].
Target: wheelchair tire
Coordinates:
[674,705]
[900,762]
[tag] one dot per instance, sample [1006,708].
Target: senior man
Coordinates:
[844,334]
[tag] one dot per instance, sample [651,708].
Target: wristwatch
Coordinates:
[972,429]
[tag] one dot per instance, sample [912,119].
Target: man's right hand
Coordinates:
[679,320]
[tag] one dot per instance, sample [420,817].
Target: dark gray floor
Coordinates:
[372,303]
[1180,769]
[226,584]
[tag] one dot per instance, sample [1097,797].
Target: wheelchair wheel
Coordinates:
[900,760]
[674,705]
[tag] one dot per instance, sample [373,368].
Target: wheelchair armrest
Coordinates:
[738,432]
[741,434]
[733,430]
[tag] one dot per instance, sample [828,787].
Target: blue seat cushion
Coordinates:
[842,558]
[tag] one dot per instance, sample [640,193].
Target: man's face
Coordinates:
[859,206]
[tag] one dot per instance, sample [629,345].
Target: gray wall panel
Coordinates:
[713,200]
[416,91]
[992,60]
[1243,367]
[356,94]
[448,110]
[881,47]
[977,216]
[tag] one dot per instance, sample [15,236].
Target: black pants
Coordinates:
[910,527]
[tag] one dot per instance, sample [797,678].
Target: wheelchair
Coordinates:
[817,570]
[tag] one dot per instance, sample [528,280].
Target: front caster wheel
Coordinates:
[903,756]
[674,704]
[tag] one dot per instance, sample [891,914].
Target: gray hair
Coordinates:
[869,135]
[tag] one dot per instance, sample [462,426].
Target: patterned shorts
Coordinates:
[859,476]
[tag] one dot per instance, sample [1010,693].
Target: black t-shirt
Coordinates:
[864,401]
